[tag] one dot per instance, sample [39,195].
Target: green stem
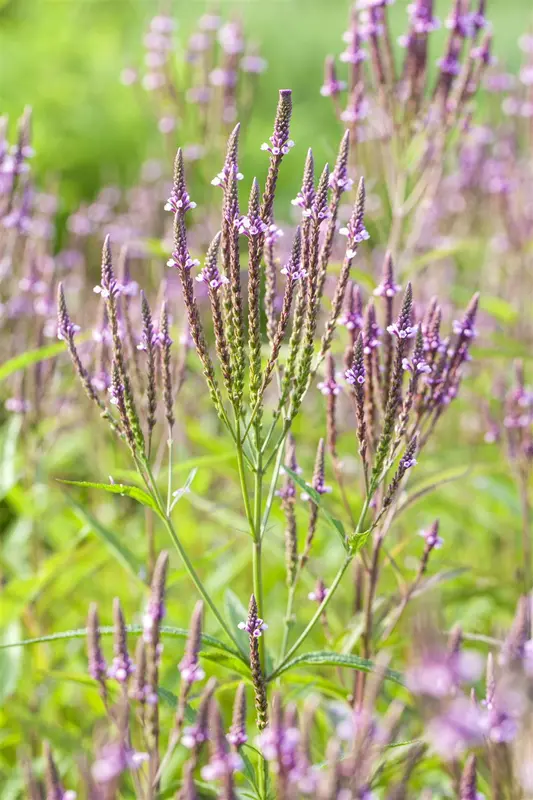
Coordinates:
[316,616]
[271,491]
[288,617]
[152,487]
[257,565]
[242,479]
[169,479]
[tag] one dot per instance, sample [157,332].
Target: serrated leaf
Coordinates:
[123,489]
[325,659]
[111,541]
[334,523]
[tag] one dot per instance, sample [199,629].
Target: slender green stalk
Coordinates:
[257,565]
[153,489]
[242,479]
[271,491]
[288,617]
[316,616]
[169,478]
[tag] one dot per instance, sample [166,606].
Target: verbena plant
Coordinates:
[369,727]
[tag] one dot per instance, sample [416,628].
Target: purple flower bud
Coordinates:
[122,666]
[179,200]
[114,759]
[253,626]
[320,592]
[189,666]
[332,85]
[431,535]
[355,230]
[280,143]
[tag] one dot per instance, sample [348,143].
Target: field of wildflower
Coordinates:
[266,416]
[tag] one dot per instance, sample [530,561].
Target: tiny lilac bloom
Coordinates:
[257,630]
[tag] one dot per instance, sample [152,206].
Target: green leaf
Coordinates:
[170,700]
[236,612]
[123,489]
[325,659]
[249,770]
[334,523]
[8,472]
[111,541]
[10,662]
[185,489]
[30,357]
[107,630]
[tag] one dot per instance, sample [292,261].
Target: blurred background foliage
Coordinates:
[64,58]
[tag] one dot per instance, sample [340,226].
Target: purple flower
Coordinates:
[433,540]
[417,367]
[66,329]
[402,332]
[254,627]
[280,143]
[230,38]
[355,231]
[179,201]
[199,94]
[193,736]
[273,234]
[211,276]
[252,226]
[121,668]
[221,179]
[190,670]
[329,387]
[459,23]
[17,405]
[320,592]
[253,63]
[439,673]
[387,288]
[221,765]
[114,759]
[449,64]
[355,375]
[460,727]
[421,17]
